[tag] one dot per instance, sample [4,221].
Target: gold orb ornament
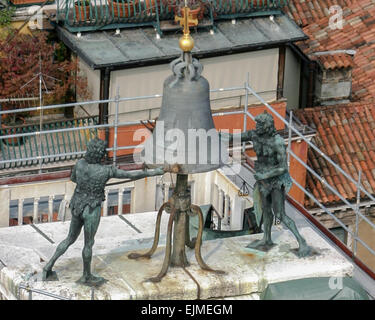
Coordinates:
[186,43]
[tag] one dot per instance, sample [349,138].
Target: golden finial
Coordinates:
[186,42]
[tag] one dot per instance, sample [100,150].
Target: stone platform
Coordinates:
[24,250]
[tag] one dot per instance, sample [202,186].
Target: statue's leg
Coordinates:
[74,231]
[267,219]
[278,204]
[266,243]
[91,218]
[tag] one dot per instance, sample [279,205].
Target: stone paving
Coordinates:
[24,250]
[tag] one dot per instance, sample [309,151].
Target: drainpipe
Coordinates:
[281,73]
[105,75]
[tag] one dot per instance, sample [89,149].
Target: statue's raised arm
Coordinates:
[136,174]
[240,137]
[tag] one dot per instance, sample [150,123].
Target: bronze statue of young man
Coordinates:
[91,177]
[272,181]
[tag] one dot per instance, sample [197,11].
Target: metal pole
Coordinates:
[93,102]
[289,136]
[40,114]
[333,190]
[19,99]
[357,213]
[245,109]
[372,251]
[46,293]
[246,103]
[116,125]
[97,126]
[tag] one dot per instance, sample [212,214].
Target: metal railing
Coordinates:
[22,3]
[31,290]
[82,15]
[38,134]
[218,215]
[21,146]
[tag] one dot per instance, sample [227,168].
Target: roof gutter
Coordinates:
[299,52]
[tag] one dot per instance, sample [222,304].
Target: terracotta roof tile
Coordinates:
[346,134]
[358,33]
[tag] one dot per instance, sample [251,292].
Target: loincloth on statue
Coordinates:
[265,187]
[80,200]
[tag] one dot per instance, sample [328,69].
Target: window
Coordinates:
[113,201]
[28,209]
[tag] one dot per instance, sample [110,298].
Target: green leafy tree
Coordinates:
[6,16]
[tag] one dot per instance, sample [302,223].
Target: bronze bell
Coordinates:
[185,138]
[184,133]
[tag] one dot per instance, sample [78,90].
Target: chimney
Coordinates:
[333,84]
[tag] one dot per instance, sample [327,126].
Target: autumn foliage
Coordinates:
[19,63]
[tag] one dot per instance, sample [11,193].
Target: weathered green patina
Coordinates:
[272,182]
[180,209]
[91,178]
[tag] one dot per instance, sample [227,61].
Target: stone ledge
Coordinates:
[247,271]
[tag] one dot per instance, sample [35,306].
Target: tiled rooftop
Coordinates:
[358,33]
[346,133]
[334,61]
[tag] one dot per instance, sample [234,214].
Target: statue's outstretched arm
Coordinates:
[244,136]
[136,174]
